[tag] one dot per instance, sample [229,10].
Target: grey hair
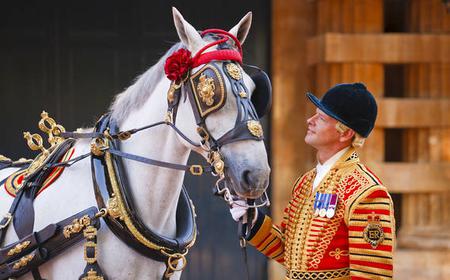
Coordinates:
[135,95]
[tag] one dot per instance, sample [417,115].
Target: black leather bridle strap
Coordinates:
[150,161]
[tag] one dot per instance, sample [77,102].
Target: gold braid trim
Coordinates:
[295,235]
[122,208]
[318,275]
[329,228]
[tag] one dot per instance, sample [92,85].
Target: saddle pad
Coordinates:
[14,182]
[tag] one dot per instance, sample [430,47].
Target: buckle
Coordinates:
[196,169]
[8,218]
[98,146]
[203,133]
[90,259]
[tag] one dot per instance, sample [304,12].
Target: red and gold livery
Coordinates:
[356,243]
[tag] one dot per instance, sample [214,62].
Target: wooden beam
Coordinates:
[413,112]
[379,48]
[291,19]
[413,177]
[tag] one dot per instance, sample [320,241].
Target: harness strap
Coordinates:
[243,245]
[194,169]
[34,250]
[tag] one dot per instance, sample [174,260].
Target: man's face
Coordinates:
[322,131]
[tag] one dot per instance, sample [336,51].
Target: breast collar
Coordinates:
[112,193]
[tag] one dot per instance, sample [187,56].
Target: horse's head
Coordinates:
[220,110]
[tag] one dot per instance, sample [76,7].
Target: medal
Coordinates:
[316,204]
[332,206]
[323,208]
[322,212]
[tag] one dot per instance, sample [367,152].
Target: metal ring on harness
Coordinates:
[175,257]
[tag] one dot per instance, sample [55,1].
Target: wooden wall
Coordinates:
[401,51]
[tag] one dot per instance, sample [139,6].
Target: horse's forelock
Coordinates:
[135,95]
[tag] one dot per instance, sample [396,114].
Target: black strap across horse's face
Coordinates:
[208,93]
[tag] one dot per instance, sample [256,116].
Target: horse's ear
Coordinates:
[187,33]
[241,29]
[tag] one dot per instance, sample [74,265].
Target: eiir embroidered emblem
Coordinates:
[373,233]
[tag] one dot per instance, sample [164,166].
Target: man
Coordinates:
[339,223]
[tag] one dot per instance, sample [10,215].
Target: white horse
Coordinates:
[155,189]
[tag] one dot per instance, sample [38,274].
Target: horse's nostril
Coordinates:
[246,177]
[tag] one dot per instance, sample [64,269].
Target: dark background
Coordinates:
[71,57]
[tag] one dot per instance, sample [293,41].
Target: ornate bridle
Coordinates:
[206,89]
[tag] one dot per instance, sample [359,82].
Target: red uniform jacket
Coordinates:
[356,243]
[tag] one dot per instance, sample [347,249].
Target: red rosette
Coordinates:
[178,64]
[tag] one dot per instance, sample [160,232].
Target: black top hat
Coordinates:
[351,104]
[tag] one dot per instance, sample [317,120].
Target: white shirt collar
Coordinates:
[322,169]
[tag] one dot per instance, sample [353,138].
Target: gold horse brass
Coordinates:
[23,261]
[208,89]
[255,128]
[18,248]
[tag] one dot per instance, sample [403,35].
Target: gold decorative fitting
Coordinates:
[217,162]
[35,142]
[92,275]
[206,89]
[8,218]
[255,128]
[107,134]
[234,71]
[196,169]
[203,133]
[124,135]
[172,261]
[87,245]
[90,232]
[243,94]
[169,117]
[76,226]
[18,248]
[171,93]
[126,218]
[101,213]
[98,146]
[3,158]
[21,160]
[113,208]
[49,126]
[23,261]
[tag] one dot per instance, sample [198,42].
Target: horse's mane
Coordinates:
[135,95]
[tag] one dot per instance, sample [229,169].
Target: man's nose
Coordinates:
[310,120]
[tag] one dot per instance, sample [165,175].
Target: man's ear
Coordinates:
[346,135]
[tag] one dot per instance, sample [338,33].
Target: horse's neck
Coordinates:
[155,189]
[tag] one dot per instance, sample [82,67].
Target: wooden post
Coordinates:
[290,157]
